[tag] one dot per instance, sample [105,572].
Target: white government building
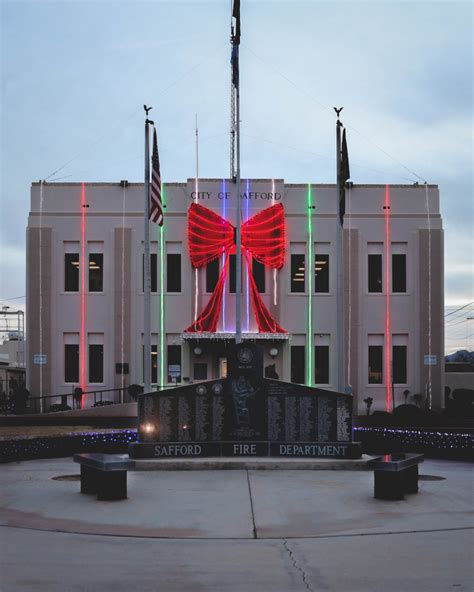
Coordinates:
[85,289]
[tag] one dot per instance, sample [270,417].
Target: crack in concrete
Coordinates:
[251,507]
[296,566]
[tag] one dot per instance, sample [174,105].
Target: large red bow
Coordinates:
[263,238]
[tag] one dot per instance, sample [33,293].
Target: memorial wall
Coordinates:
[245,415]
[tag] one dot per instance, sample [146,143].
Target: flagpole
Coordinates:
[146,265]
[238,237]
[339,265]
[235,38]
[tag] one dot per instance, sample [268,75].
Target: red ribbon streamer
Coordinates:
[263,237]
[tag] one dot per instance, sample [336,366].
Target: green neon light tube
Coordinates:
[309,267]
[161,345]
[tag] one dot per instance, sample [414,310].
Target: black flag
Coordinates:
[234,60]
[345,175]
[236,15]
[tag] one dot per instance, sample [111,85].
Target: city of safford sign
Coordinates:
[249,195]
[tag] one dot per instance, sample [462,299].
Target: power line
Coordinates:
[124,122]
[460,308]
[325,107]
[353,164]
[9,299]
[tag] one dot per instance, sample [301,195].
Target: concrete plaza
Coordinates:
[235,530]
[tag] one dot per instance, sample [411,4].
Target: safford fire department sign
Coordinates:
[245,415]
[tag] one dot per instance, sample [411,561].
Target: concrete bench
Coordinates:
[395,475]
[104,474]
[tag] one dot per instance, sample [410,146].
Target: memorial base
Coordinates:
[341,450]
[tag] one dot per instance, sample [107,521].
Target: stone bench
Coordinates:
[395,475]
[104,474]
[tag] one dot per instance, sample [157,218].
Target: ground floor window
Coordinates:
[96,363]
[297,361]
[174,363]
[321,364]
[375,364]
[154,364]
[200,371]
[71,362]
[399,364]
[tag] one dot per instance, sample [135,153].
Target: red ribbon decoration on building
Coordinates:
[263,238]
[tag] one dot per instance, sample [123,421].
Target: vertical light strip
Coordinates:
[429,293]
[349,296]
[248,262]
[274,271]
[161,345]
[388,338]
[224,208]
[309,278]
[122,327]
[41,293]
[84,266]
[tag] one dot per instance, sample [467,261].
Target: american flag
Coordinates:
[156,205]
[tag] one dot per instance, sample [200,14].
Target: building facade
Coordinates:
[85,288]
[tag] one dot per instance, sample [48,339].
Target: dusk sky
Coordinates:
[75,76]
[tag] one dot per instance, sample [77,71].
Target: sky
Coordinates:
[75,76]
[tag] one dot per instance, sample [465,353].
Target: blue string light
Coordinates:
[434,443]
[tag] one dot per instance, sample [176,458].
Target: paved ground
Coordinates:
[222,531]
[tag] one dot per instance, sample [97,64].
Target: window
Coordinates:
[96,363]
[258,272]
[173,268]
[297,273]
[71,362]
[200,371]
[153,272]
[321,364]
[399,364]
[174,363]
[212,274]
[154,363]
[297,363]
[321,274]
[375,273]
[96,272]
[399,273]
[375,364]
[71,272]
[232,274]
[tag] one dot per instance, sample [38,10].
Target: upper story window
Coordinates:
[96,272]
[258,273]
[399,273]
[71,272]
[298,272]
[173,267]
[321,274]
[153,272]
[375,273]
[212,274]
